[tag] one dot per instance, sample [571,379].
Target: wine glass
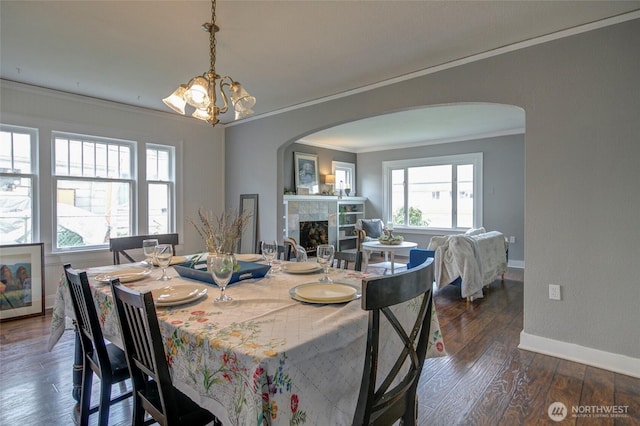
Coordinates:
[149,249]
[221,267]
[269,251]
[163,254]
[324,256]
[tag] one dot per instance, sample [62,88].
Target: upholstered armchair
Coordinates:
[368,230]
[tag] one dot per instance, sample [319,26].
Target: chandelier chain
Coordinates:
[212,38]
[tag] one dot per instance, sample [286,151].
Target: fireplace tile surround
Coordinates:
[314,208]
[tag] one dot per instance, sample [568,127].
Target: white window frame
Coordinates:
[131,181]
[171,183]
[454,160]
[32,174]
[350,170]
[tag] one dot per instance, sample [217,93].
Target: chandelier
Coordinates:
[202,91]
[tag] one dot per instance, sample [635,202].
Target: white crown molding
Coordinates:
[570,351]
[88,100]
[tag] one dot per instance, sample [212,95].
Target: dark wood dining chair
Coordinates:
[342,260]
[380,403]
[153,388]
[105,360]
[119,245]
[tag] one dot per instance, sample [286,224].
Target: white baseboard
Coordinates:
[594,357]
[515,264]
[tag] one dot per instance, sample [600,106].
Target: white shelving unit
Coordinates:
[349,211]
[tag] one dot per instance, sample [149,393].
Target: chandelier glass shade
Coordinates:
[202,91]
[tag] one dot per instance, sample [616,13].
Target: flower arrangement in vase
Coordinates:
[221,233]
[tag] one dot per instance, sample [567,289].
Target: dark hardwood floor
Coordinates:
[485,380]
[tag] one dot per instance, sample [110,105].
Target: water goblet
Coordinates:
[163,255]
[269,251]
[221,266]
[324,256]
[149,249]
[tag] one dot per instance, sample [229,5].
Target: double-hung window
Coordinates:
[160,188]
[345,176]
[438,192]
[18,184]
[95,190]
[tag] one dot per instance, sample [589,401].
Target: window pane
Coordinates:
[16,221]
[112,161]
[101,160]
[62,156]
[397,197]
[88,159]
[430,196]
[89,213]
[152,164]
[5,150]
[125,162]
[465,196]
[164,169]
[158,208]
[22,152]
[75,158]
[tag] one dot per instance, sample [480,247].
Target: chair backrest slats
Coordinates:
[385,399]
[144,348]
[91,336]
[119,245]
[342,259]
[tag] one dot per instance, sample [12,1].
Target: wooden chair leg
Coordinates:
[105,403]
[85,396]
[138,411]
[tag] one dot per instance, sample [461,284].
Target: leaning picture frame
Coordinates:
[306,171]
[21,281]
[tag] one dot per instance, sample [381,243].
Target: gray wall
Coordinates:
[581,98]
[503,184]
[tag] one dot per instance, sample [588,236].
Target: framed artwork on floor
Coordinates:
[306,171]
[21,281]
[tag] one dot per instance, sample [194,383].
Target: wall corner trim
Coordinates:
[594,357]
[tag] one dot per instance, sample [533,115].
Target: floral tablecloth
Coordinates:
[263,359]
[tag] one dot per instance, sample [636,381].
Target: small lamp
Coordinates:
[330,180]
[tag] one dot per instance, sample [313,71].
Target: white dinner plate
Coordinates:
[249,257]
[178,294]
[301,267]
[124,275]
[324,293]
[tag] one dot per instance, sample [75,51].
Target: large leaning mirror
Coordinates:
[249,206]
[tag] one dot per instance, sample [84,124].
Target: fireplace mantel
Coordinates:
[341,214]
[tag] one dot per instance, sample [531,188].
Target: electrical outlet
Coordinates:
[554,292]
[512,239]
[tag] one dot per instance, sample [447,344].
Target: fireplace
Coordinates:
[313,233]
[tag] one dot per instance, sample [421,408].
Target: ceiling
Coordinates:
[286,53]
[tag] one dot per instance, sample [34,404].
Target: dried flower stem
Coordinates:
[221,233]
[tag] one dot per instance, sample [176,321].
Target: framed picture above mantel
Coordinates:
[306,173]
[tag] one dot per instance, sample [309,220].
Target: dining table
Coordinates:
[268,357]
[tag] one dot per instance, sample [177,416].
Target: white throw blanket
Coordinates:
[477,260]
